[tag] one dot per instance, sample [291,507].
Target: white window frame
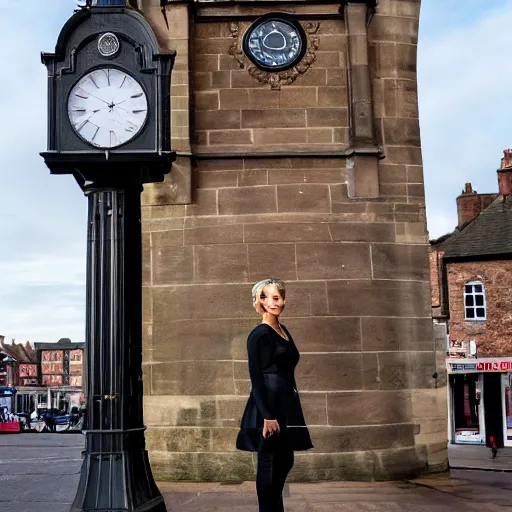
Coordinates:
[474,307]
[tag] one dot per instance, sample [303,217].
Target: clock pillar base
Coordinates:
[117,482]
[115,475]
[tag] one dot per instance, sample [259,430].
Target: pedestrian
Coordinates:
[272,424]
[494,446]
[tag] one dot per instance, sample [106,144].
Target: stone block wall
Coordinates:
[233,109]
[318,182]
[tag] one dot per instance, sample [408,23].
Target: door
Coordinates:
[506,388]
[466,410]
[493,408]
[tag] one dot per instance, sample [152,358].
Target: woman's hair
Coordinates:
[258,287]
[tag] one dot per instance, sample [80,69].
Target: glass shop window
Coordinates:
[42,400]
[25,403]
[466,399]
[507,377]
[474,301]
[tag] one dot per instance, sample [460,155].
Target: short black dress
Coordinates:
[274,395]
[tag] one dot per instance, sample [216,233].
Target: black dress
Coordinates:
[274,395]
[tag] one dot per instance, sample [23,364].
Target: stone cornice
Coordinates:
[369,3]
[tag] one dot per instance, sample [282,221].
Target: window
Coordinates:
[474,301]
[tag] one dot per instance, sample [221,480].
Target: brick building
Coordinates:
[61,363]
[471,271]
[48,375]
[16,368]
[12,357]
[310,172]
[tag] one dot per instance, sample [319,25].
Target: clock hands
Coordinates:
[110,105]
[96,97]
[84,121]
[133,96]
[98,121]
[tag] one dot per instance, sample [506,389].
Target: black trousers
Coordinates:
[273,468]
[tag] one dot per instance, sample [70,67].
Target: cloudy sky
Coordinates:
[465,112]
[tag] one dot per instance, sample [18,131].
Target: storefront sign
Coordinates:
[496,366]
[480,365]
[463,367]
[468,436]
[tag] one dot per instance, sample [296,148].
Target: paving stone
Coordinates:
[51,463]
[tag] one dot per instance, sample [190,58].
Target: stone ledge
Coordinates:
[380,465]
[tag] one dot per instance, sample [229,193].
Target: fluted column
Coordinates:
[115,474]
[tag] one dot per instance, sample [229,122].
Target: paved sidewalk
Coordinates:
[479,457]
[40,472]
[465,491]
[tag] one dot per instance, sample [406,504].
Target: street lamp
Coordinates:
[109,127]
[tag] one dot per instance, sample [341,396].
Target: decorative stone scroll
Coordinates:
[278,78]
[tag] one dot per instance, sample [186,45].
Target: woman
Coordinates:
[272,424]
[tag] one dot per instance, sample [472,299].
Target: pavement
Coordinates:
[479,457]
[39,473]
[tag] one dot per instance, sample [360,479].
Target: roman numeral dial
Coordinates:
[107,108]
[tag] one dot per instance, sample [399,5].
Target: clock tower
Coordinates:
[298,157]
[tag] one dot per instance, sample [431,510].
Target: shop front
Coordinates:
[480,400]
[507,410]
[7,394]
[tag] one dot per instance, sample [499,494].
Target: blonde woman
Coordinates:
[272,424]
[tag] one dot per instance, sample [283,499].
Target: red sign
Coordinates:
[496,366]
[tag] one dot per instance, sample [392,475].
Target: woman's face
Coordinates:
[271,300]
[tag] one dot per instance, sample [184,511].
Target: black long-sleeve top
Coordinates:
[274,395]
[261,352]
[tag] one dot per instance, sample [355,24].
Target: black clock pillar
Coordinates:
[115,475]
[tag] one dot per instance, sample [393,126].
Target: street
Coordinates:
[39,473]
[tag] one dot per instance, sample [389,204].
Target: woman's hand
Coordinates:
[270,427]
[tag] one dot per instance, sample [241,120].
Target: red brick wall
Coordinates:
[494,335]
[469,206]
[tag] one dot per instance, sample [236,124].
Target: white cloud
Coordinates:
[42,225]
[465,117]
[465,110]
[43,271]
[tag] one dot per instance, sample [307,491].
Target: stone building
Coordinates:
[472,293]
[303,165]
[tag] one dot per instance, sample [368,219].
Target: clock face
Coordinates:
[107,107]
[275,44]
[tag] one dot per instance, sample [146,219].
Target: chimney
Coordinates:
[467,205]
[505,174]
[470,204]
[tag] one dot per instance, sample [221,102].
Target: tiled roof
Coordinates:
[19,352]
[489,234]
[63,343]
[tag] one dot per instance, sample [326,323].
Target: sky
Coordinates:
[465,113]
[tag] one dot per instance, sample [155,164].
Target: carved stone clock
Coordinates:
[276,48]
[275,43]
